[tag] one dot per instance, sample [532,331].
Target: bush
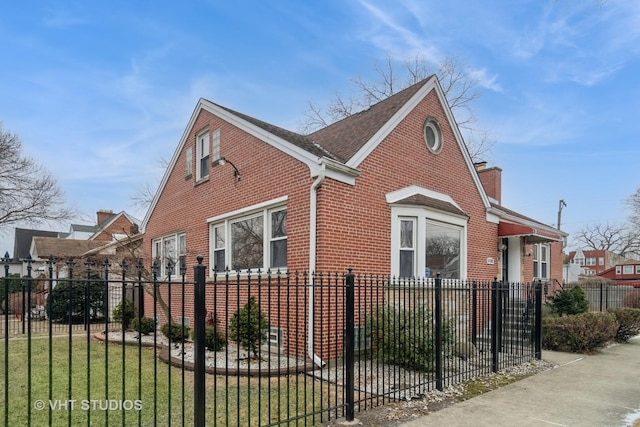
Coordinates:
[249,327]
[628,323]
[580,333]
[125,312]
[175,332]
[632,299]
[406,337]
[68,303]
[143,325]
[569,301]
[214,340]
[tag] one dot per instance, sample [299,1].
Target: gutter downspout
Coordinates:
[313,196]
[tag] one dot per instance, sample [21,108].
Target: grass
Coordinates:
[114,385]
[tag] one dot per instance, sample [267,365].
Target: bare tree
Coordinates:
[459,86]
[28,192]
[633,202]
[620,239]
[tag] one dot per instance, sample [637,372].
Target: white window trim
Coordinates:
[422,214]
[188,171]
[158,244]
[200,154]
[264,210]
[537,248]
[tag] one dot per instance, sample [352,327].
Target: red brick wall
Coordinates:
[353,223]
[121,226]
[400,161]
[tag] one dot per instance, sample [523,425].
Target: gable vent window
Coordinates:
[432,135]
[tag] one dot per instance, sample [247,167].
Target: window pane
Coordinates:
[406,264]
[543,273]
[219,237]
[443,250]
[406,235]
[219,261]
[204,166]
[279,224]
[247,245]
[279,253]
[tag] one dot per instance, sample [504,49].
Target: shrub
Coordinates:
[68,302]
[580,333]
[175,332]
[249,327]
[406,337]
[632,299]
[569,301]
[125,312]
[628,322]
[214,340]
[143,325]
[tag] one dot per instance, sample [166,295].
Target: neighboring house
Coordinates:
[109,227]
[626,273]
[22,246]
[594,262]
[389,190]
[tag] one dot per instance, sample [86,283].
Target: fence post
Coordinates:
[474,313]
[438,319]
[349,346]
[199,314]
[538,326]
[495,325]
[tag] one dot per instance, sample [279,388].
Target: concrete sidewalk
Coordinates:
[599,390]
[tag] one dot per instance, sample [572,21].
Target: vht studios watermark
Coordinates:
[88,405]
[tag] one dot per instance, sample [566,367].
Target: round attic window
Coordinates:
[432,135]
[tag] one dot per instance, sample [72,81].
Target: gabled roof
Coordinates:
[43,247]
[22,242]
[113,218]
[341,146]
[346,137]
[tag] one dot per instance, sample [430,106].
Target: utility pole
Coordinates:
[560,206]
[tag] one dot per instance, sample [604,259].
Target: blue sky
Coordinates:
[100,92]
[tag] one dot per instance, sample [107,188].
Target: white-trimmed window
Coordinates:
[601,260]
[250,239]
[170,249]
[637,269]
[591,261]
[407,247]
[202,155]
[541,261]
[627,269]
[427,242]
[618,269]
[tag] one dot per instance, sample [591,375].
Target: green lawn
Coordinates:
[93,391]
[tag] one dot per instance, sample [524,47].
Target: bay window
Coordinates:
[426,242]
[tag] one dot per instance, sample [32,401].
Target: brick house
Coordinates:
[595,262]
[389,190]
[625,273]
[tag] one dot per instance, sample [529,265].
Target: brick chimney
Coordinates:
[103,215]
[491,179]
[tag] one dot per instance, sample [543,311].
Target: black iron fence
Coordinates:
[242,348]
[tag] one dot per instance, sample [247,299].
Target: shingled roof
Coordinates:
[43,247]
[341,140]
[345,137]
